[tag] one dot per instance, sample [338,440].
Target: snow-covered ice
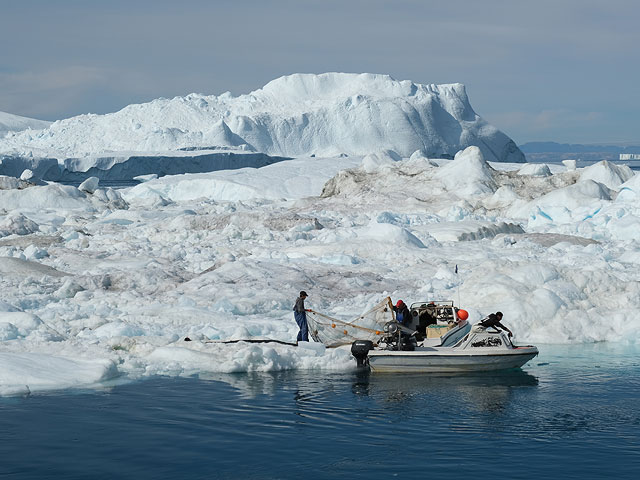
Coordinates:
[100,284]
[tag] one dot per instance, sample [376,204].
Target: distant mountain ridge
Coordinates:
[556,152]
[548,147]
[296,115]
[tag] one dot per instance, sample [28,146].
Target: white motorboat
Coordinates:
[481,349]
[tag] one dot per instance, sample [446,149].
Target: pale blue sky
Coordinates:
[557,70]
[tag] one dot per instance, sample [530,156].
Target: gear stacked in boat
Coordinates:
[440,323]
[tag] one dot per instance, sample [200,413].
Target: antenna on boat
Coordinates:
[458,287]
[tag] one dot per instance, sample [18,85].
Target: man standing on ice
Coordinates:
[300,314]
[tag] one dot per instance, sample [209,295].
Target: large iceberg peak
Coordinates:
[328,86]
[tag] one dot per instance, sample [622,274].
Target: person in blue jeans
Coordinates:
[300,314]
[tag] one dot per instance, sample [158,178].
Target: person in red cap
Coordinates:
[403,316]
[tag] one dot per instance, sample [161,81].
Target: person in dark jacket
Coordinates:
[493,320]
[300,314]
[403,315]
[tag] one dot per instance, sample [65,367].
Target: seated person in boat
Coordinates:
[428,316]
[403,316]
[493,320]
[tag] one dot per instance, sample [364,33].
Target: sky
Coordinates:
[549,70]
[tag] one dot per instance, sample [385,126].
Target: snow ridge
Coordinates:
[15,123]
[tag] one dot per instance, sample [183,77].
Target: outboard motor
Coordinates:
[407,342]
[360,350]
[399,337]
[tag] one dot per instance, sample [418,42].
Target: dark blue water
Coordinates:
[573,412]
[105,183]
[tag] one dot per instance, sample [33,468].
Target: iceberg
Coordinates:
[327,115]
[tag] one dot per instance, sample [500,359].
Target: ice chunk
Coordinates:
[27,175]
[386,232]
[90,185]
[69,288]
[535,170]
[32,372]
[17,225]
[468,174]
[371,162]
[629,190]
[607,173]
[146,178]
[9,183]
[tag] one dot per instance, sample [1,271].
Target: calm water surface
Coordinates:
[573,412]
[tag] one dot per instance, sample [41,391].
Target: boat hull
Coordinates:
[448,362]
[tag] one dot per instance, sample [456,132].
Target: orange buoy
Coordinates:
[345,332]
[463,314]
[333,325]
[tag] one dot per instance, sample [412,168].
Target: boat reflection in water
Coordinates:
[480,392]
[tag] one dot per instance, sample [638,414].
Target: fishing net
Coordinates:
[368,326]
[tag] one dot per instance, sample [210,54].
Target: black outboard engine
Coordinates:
[360,350]
[399,337]
[407,342]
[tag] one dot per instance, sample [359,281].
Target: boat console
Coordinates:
[432,313]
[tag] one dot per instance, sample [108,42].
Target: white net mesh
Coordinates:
[368,326]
